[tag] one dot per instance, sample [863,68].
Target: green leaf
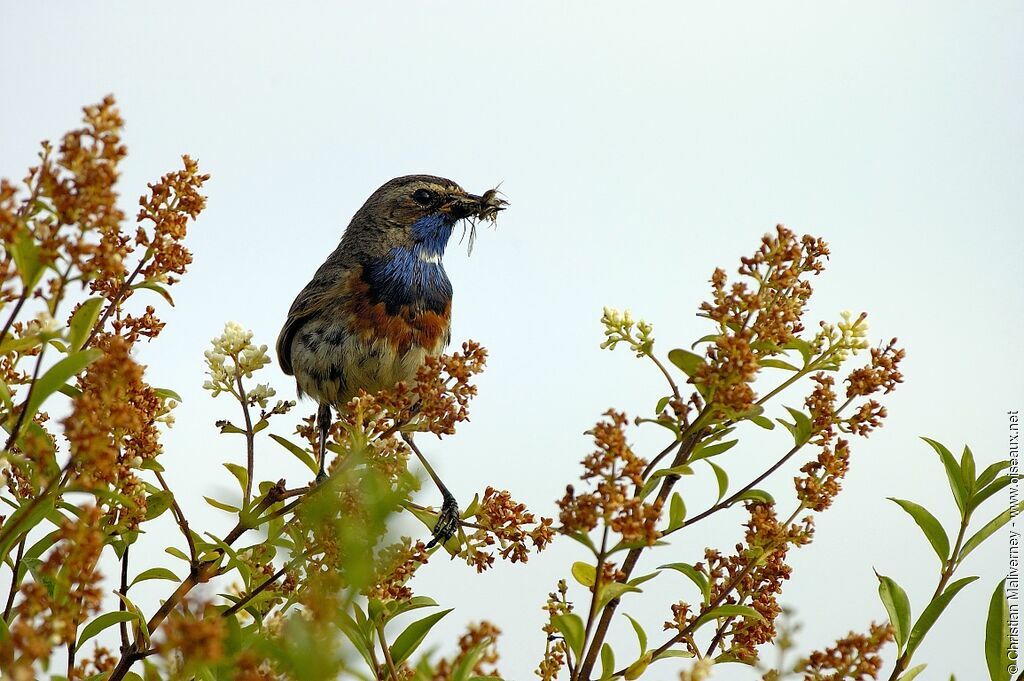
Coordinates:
[967,469]
[896,603]
[805,349]
[762,421]
[641,635]
[167,394]
[676,512]
[988,530]
[706,451]
[157,503]
[240,473]
[607,662]
[57,376]
[614,590]
[912,673]
[154,573]
[729,611]
[756,495]
[990,473]
[153,286]
[25,251]
[803,426]
[997,635]
[722,477]
[687,361]
[221,505]
[572,630]
[933,611]
[987,491]
[953,472]
[81,322]
[584,573]
[105,620]
[776,364]
[296,451]
[931,527]
[410,639]
[695,576]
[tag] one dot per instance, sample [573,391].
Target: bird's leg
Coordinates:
[448,518]
[323,425]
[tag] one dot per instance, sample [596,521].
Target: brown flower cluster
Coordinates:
[822,479]
[44,618]
[197,637]
[882,373]
[395,566]
[171,203]
[854,657]
[555,650]
[755,575]
[614,470]
[506,520]
[443,387]
[757,321]
[112,428]
[477,634]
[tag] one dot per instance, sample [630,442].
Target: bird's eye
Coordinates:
[424,197]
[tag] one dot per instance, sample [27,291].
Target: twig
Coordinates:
[14,579]
[199,574]
[179,516]
[116,301]
[15,431]
[392,672]
[124,592]
[263,586]
[249,438]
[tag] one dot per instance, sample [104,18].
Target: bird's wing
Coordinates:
[315,298]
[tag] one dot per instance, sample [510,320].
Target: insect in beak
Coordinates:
[480,208]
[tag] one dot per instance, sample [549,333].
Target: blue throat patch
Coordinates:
[414,276]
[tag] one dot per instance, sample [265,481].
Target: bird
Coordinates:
[380,304]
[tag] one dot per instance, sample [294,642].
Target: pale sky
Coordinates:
[640,146]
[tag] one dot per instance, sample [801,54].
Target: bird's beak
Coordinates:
[461,206]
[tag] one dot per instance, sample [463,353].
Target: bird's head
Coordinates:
[420,212]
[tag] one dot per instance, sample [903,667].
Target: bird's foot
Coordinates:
[321,478]
[447,521]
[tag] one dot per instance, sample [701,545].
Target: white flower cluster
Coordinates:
[618,328]
[234,356]
[850,335]
[5,471]
[260,394]
[700,671]
[43,325]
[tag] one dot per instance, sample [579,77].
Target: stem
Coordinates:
[725,503]
[263,586]
[179,516]
[730,587]
[14,313]
[200,573]
[9,527]
[249,438]
[71,660]
[597,587]
[947,571]
[14,579]
[124,592]
[15,431]
[115,301]
[687,442]
[392,672]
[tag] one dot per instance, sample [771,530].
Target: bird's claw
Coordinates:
[321,478]
[447,521]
